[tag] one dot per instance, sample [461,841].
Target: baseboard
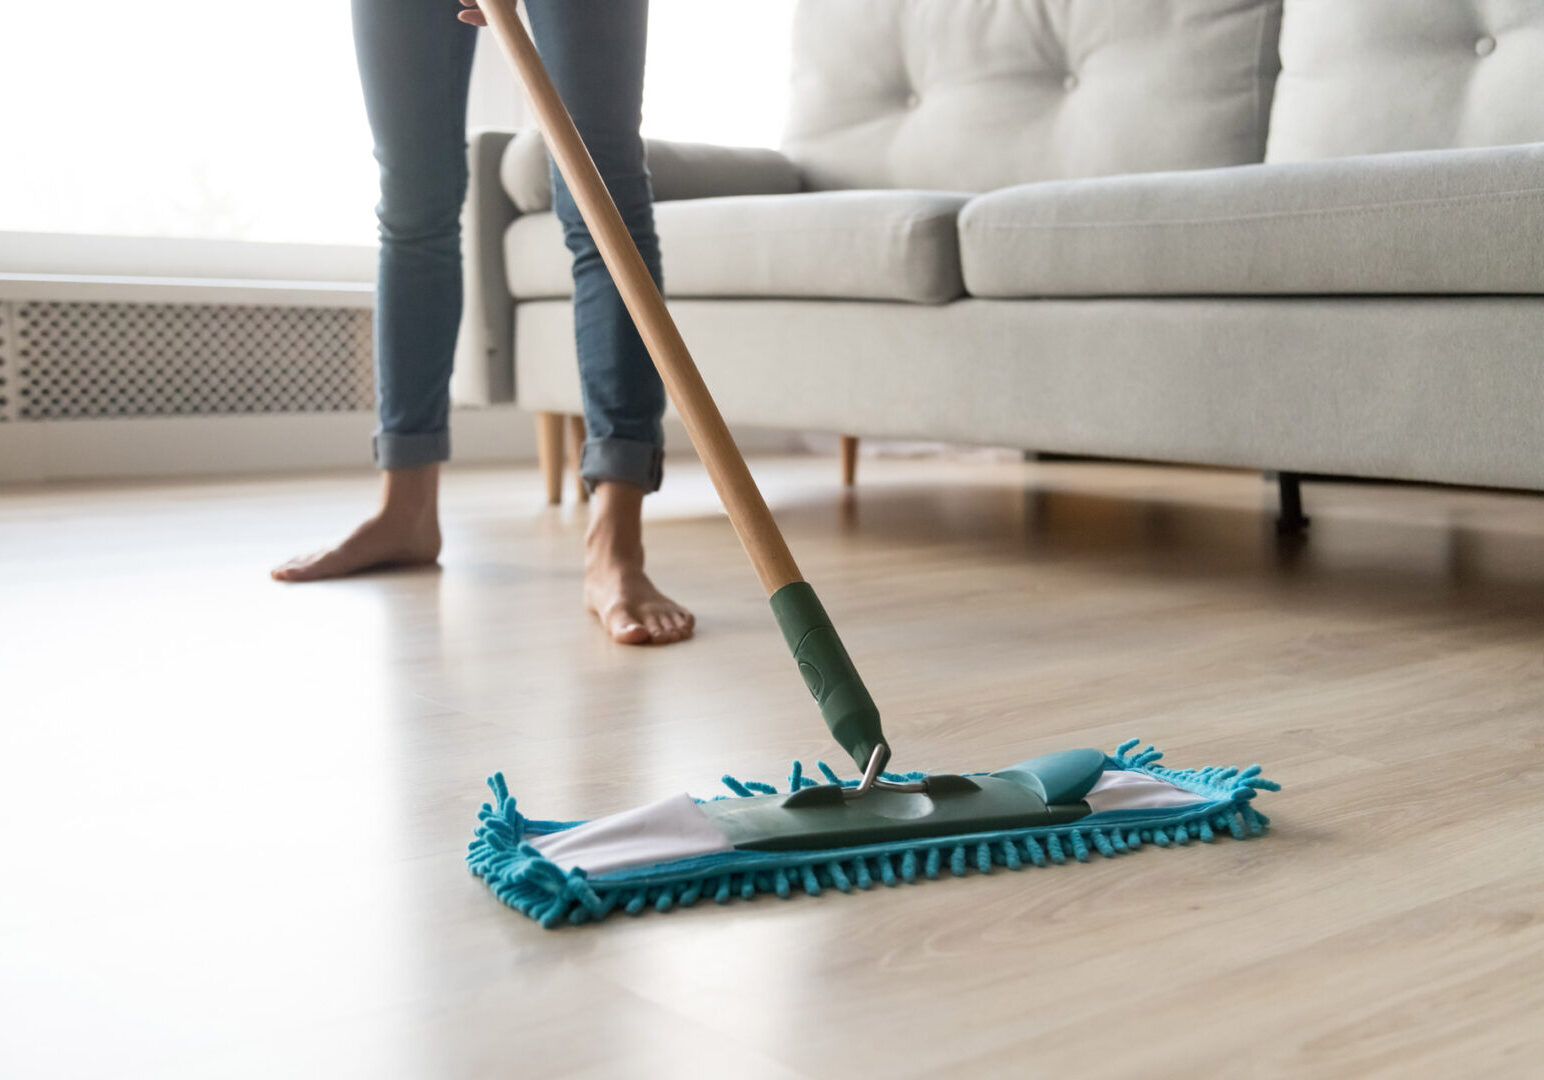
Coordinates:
[118,448]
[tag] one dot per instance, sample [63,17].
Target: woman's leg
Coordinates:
[415,62]
[594,50]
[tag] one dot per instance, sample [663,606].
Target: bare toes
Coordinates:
[322,564]
[627,630]
[294,570]
[632,609]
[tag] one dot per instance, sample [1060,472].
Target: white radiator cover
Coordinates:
[6,390]
[104,378]
[73,359]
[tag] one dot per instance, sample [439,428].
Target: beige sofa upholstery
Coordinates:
[678,171]
[1102,227]
[848,245]
[1377,76]
[975,96]
[1426,222]
[1369,386]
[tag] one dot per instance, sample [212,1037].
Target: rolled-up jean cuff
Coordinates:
[394,451]
[641,464]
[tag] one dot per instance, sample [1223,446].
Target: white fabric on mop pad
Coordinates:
[665,831]
[1120,789]
[675,828]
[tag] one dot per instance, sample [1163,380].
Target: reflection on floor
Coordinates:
[233,812]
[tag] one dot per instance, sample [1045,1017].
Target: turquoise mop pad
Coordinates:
[678,851]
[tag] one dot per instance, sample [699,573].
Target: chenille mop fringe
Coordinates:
[521,877]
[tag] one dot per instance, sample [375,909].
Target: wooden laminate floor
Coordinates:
[234,812]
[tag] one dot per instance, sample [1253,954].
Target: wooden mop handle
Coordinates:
[748,511]
[822,660]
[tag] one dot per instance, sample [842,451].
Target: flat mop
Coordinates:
[845,834]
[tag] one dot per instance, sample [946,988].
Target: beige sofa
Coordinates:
[1304,237]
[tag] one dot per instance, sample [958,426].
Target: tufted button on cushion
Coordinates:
[1161,84]
[1377,76]
[913,100]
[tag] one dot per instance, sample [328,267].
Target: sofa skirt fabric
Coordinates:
[1437,222]
[1447,390]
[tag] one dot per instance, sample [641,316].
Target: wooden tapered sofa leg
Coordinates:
[849,460]
[549,453]
[575,453]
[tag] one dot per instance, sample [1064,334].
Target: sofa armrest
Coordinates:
[679,170]
[485,361]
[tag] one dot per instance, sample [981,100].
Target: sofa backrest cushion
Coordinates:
[1373,76]
[971,96]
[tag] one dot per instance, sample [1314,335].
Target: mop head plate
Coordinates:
[673,853]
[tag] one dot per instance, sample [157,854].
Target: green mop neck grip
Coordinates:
[828,671]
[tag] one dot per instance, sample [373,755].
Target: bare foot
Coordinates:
[616,590]
[377,544]
[406,532]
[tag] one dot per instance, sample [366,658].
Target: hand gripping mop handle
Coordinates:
[828,671]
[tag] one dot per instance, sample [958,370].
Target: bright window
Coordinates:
[154,118]
[245,122]
[718,70]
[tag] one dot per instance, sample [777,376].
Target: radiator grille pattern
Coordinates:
[74,359]
[5,362]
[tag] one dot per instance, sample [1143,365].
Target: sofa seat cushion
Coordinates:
[1449,221]
[838,245]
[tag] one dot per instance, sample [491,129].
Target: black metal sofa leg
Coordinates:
[1290,519]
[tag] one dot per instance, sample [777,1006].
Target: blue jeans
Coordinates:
[415,62]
